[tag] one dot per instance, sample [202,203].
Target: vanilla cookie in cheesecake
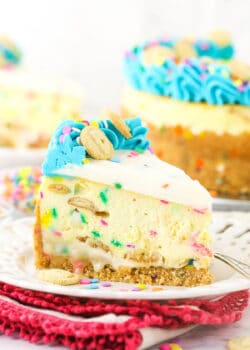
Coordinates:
[196,101]
[108,208]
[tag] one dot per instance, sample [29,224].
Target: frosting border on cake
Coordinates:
[65,147]
[191,79]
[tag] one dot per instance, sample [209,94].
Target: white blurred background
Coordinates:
[85,39]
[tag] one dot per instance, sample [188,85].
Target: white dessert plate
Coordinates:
[21,157]
[232,237]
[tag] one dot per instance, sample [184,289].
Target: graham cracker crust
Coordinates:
[187,276]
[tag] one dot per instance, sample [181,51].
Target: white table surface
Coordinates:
[201,338]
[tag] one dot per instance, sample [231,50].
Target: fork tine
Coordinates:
[235,264]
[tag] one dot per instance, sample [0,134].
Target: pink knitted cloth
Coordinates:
[25,312]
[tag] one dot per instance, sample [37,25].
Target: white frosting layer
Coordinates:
[144,174]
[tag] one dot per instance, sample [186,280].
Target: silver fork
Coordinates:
[237,265]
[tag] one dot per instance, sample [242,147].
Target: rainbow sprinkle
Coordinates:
[93,286]
[153,233]
[94,280]
[85,281]
[83,218]
[103,222]
[65,250]
[103,196]
[20,188]
[95,234]
[57,233]
[54,213]
[118,185]
[116,243]
[106,284]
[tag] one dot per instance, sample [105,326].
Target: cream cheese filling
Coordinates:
[198,117]
[99,258]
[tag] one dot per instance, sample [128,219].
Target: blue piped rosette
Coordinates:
[65,148]
[191,79]
[9,51]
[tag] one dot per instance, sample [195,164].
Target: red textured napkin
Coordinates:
[47,318]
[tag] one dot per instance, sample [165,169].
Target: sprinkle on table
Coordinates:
[85,281]
[105,284]
[136,289]
[142,286]
[94,280]
[115,160]
[90,281]
[165,347]
[93,286]
[170,346]
[21,187]
[157,289]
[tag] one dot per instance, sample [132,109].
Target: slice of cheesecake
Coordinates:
[123,216]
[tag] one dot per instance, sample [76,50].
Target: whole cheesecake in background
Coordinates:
[31,105]
[110,209]
[196,101]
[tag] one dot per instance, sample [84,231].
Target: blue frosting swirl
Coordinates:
[9,51]
[64,147]
[190,80]
[187,85]
[220,90]
[210,49]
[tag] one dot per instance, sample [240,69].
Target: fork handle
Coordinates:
[237,265]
